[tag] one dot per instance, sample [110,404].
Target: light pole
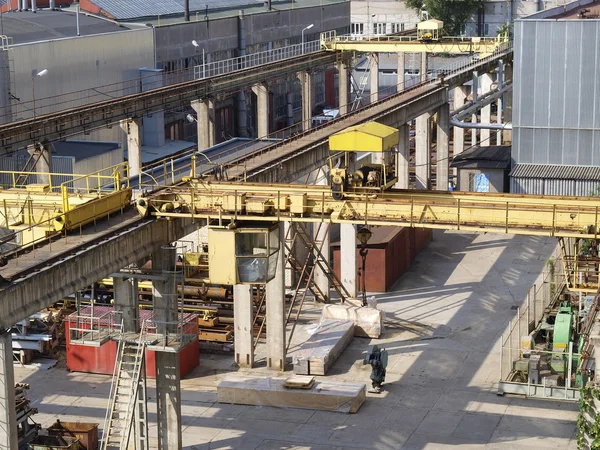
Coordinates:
[363,235]
[195,44]
[303,30]
[41,73]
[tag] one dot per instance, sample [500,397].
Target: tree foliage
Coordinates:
[454,13]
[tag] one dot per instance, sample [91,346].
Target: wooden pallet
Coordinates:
[216,334]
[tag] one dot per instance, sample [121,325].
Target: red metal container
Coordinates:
[81,358]
[87,433]
[391,251]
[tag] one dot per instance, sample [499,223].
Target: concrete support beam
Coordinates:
[164,292]
[374,78]
[401,70]
[460,99]
[275,302]
[486,111]
[242,320]
[126,301]
[43,154]
[442,147]
[205,121]
[402,157]
[321,235]
[508,102]
[343,83]
[8,415]
[133,129]
[305,78]
[423,152]
[262,109]
[289,105]
[474,95]
[168,401]
[423,66]
[348,257]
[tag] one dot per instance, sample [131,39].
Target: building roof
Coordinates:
[26,26]
[492,157]
[134,9]
[367,137]
[585,10]
[83,149]
[556,172]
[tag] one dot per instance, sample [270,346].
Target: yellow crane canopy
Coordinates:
[368,137]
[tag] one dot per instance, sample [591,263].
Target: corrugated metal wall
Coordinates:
[556,97]
[539,186]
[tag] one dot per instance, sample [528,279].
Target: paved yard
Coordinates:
[445,318]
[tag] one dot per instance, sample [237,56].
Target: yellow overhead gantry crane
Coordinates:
[429,39]
[229,205]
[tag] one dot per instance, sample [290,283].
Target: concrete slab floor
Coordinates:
[444,320]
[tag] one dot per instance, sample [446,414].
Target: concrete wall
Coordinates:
[496,177]
[556,95]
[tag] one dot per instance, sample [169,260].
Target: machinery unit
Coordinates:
[563,335]
[371,137]
[430,30]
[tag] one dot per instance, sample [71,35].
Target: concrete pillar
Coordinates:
[305,78]
[475,96]
[289,105]
[424,66]
[164,292]
[242,320]
[348,257]
[423,152]
[8,415]
[507,99]
[374,78]
[133,129]
[43,154]
[442,147]
[401,69]
[486,111]
[275,302]
[262,109]
[322,235]
[168,401]
[460,98]
[126,301]
[205,121]
[344,92]
[402,157]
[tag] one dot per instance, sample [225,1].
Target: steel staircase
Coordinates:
[128,398]
[362,84]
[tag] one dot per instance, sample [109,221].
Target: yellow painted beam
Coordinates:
[466,211]
[410,44]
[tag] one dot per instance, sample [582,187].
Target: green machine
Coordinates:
[563,334]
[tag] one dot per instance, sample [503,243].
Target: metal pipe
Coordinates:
[77,15]
[52,6]
[186,10]
[475,105]
[34,6]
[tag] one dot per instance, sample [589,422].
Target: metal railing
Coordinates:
[254,59]
[90,329]
[332,36]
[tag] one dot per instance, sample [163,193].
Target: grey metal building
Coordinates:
[556,112]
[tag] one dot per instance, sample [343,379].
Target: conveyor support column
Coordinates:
[402,157]
[132,127]
[344,93]
[508,102]
[460,99]
[43,154]
[322,236]
[205,121]
[262,109]
[442,147]
[168,386]
[348,257]
[275,302]
[374,78]
[242,320]
[305,78]
[126,299]
[424,66]
[486,111]
[8,414]
[401,69]
[423,151]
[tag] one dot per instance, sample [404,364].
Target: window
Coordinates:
[379,28]
[486,29]
[358,28]
[479,182]
[396,27]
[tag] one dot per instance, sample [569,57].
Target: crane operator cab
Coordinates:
[430,30]
[371,178]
